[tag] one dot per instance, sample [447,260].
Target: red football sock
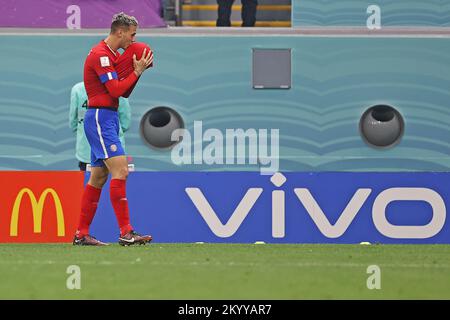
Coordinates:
[89,203]
[119,202]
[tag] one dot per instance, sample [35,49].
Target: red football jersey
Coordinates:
[100,77]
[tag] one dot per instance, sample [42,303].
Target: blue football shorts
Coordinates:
[101,127]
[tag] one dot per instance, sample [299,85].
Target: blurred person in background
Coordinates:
[248,13]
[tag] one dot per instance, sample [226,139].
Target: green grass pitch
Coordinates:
[225,271]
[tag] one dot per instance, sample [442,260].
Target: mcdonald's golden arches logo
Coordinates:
[37,207]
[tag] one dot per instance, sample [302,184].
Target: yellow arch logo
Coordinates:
[37,208]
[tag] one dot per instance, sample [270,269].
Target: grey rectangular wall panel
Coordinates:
[271,68]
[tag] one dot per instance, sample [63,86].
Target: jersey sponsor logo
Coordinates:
[104,61]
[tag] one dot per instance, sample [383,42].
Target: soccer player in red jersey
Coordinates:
[101,125]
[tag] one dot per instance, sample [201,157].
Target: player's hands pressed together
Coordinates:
[141,65]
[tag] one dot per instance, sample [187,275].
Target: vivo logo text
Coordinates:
[318,216]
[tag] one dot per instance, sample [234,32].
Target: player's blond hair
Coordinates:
[122,20]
